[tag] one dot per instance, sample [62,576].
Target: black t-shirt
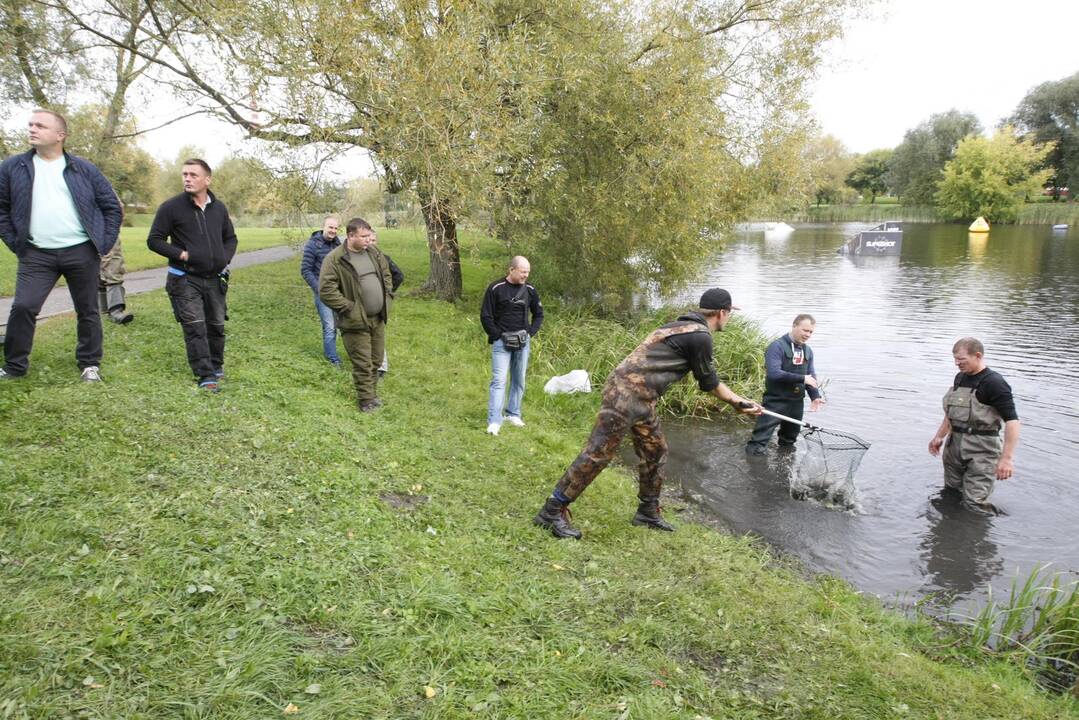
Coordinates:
[992,390]
[696,348]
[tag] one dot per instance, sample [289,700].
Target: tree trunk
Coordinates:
[444,278]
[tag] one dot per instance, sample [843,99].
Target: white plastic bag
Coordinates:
[571,382]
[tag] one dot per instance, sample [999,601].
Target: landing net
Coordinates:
[825,468]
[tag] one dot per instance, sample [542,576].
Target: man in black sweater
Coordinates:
[194,231]
[504,315]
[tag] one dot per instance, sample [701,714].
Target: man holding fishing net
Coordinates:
[629,406]
[978,404]
[790,377]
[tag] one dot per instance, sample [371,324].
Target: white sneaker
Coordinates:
[91,374]
[514,420]
[492,429]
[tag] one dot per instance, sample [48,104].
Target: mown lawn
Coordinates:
[271,552]
[139,257]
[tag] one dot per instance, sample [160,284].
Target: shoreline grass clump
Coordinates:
[1037,627]
[271,552]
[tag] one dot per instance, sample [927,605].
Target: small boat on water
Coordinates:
[1061,227]
[884,239]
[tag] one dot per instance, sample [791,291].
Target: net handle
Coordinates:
[782,417]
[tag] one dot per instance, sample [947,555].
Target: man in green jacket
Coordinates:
[355,283]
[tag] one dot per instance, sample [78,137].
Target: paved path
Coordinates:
[59,300]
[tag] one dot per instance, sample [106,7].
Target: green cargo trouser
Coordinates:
[112,266]
[970,466]
[365,349]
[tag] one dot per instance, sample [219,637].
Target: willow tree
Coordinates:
[686,117]
[52,62]
[436,91]
[604,136]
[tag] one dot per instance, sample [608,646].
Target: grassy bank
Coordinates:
[139,257]
[1040,213]
[270,552]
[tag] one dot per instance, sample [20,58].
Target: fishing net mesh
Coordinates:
[826,466]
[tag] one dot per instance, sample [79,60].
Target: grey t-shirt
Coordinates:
[370,285]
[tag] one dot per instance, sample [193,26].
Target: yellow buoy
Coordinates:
[979,226]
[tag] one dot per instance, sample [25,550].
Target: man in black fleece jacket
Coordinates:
[194,231]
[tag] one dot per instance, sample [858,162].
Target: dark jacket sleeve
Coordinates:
[773,364]
[228,238]
[158,239]
[308,266]
[395,273]
[7,229]
[811,369]
[537,312]
[487,316]
[109,204]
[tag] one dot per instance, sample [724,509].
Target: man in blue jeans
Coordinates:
[511,315]
[316,249]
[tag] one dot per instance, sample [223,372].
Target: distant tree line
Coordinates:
[948,162]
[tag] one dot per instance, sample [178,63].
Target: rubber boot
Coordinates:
[555,517]
[116,299]
[648,513]
[102,301]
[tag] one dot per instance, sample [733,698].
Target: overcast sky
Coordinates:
[908,60]
[913,58]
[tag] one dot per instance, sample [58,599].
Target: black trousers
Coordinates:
[766,424]
[37,275]
[199,306]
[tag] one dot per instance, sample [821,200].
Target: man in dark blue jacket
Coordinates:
[790,376]
[59,215]
[315,250]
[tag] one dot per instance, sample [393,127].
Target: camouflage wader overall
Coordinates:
[629,405]
[973,446]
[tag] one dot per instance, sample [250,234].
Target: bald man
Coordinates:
[511,315]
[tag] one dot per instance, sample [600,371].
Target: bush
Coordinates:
[580,339]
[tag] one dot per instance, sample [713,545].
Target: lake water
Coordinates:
[885,328]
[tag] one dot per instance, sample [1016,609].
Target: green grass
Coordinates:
[166,554]
[139,257]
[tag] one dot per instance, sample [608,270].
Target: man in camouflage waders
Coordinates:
[629,405]
[978,404]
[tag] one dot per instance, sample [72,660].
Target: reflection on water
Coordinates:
[958,553]
[885,327]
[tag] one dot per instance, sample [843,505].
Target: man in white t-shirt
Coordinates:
[59,215]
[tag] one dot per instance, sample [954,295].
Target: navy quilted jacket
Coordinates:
[95,201]
[315,251]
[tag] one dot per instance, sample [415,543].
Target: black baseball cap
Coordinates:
[716,299]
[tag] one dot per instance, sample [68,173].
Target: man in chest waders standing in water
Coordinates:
[978,404]
[629,405]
